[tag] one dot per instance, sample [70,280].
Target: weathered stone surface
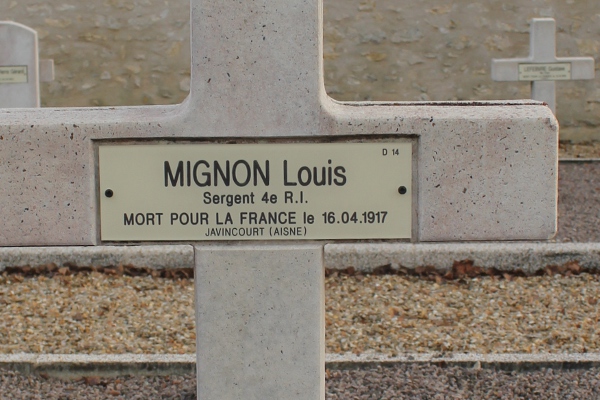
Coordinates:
[265,305]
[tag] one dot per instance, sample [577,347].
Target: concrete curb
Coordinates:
[505,256]
[155,256]
[579,160]
[365,257]
[76,366]
[503,362]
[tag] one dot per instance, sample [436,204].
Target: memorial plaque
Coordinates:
[13,74]
[545,72]
[255,191]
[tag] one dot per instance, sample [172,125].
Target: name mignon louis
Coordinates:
[241,173]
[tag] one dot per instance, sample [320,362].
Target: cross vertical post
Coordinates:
[260,322]
[542,48]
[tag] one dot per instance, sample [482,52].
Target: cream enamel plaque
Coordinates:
[13,74]
[545,72]
[292,191]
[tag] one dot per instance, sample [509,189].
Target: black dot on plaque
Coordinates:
[402,190]
[109,193]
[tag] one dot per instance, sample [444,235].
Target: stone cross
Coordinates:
[108,176]
[542,67]
[20,69]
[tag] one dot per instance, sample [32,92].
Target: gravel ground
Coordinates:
[16,386]
[397,382]
[389,314]
[579,202]
[396,314]
[432,382]
[97,313]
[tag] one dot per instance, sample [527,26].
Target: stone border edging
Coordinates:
[503,362]
[76,366]
[365,257]
[578,160]
[505,256]
[153,256]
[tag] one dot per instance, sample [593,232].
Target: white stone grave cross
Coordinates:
[542,67]
[20,68]
[259,152]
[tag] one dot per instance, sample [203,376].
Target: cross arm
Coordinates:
[581,67]
[507,69]
[483,170]
[46,70]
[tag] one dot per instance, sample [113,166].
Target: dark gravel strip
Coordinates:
[418,381]
[578,202]
[407,381]
[14,385]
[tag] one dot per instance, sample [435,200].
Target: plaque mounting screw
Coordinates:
[402,190]
[109,193]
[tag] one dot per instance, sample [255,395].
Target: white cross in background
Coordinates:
[21,70]
[542,67]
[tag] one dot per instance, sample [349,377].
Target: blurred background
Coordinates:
[136,52]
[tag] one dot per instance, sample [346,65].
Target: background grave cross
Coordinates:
[542,67]
[21,71]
